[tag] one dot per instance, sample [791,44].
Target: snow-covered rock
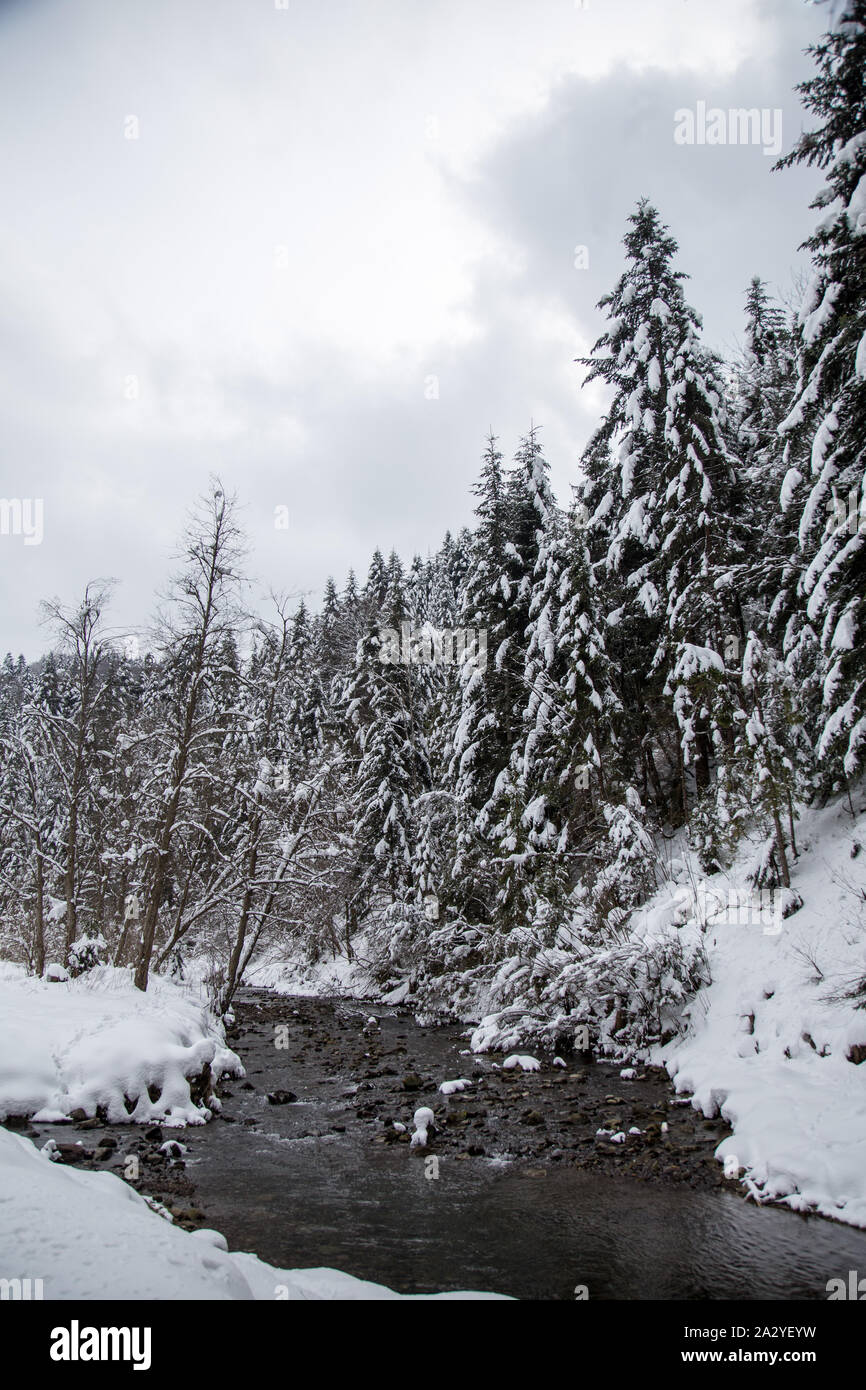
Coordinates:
[521,1060]
[423,1120]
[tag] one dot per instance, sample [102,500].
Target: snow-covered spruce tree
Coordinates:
[763,385]
[31,828]
[625,466]
[569,758]
[774,760]
[306,713]
[373,595]
[828,419]
[775,750]
[666,524]
[14,685]
[446,582]
[505,821]
[701,569]
[705,698]
[700,555]
[388,762]
[441,650]
[481,743]
[627,858]
[418,591]
[328,625]
[350,607]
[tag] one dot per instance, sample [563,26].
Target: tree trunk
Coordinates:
[39,943]
[780,847]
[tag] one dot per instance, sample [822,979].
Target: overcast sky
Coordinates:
[328,206]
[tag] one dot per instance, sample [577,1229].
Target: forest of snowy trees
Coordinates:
[469,764]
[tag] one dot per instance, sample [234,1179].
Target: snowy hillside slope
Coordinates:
[777,1041]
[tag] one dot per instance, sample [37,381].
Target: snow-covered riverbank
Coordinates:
[98,1043]
[776,1043]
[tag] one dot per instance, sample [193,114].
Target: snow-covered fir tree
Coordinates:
[828,420]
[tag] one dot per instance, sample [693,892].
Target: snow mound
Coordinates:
[99,1043]
[497,1032]
[448,1088]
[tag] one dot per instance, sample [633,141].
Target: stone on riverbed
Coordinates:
[281,1097]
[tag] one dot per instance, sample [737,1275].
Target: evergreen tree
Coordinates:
[625,466]
[514,828]
[481,743]
[375,590]
[388,759]
[828,420]
[569,758]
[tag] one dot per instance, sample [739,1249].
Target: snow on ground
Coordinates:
[332,975]
[90,1236]
[769,1039]
[90,1042]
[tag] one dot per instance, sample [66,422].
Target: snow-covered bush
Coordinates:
[86,953]
[621,990]
[442,964]
[631,989]
[629,864]
[100,1045]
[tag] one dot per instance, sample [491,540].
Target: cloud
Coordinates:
[324,209]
